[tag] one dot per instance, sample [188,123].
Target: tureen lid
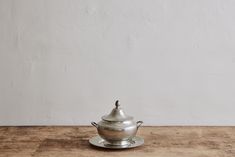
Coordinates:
[117,114]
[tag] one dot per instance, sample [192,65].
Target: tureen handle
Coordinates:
[94,124]
[139,123]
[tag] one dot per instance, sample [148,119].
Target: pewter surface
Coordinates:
[117,126]
[99,142]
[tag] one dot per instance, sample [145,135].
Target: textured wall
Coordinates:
[67,61]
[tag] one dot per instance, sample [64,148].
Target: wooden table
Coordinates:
[159,142]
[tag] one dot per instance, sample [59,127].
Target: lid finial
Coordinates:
[117,104]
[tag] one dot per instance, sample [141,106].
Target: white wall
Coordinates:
[65,62]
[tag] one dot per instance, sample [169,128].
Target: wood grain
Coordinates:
[159,142]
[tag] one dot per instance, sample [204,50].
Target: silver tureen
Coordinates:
[117,128]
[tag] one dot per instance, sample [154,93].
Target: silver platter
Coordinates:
[99,142]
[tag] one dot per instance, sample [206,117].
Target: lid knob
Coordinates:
[117,104]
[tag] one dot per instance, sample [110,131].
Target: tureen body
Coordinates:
[117,128]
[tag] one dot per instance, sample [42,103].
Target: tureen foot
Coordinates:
[118,143]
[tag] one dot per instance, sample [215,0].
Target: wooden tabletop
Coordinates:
[159,142]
